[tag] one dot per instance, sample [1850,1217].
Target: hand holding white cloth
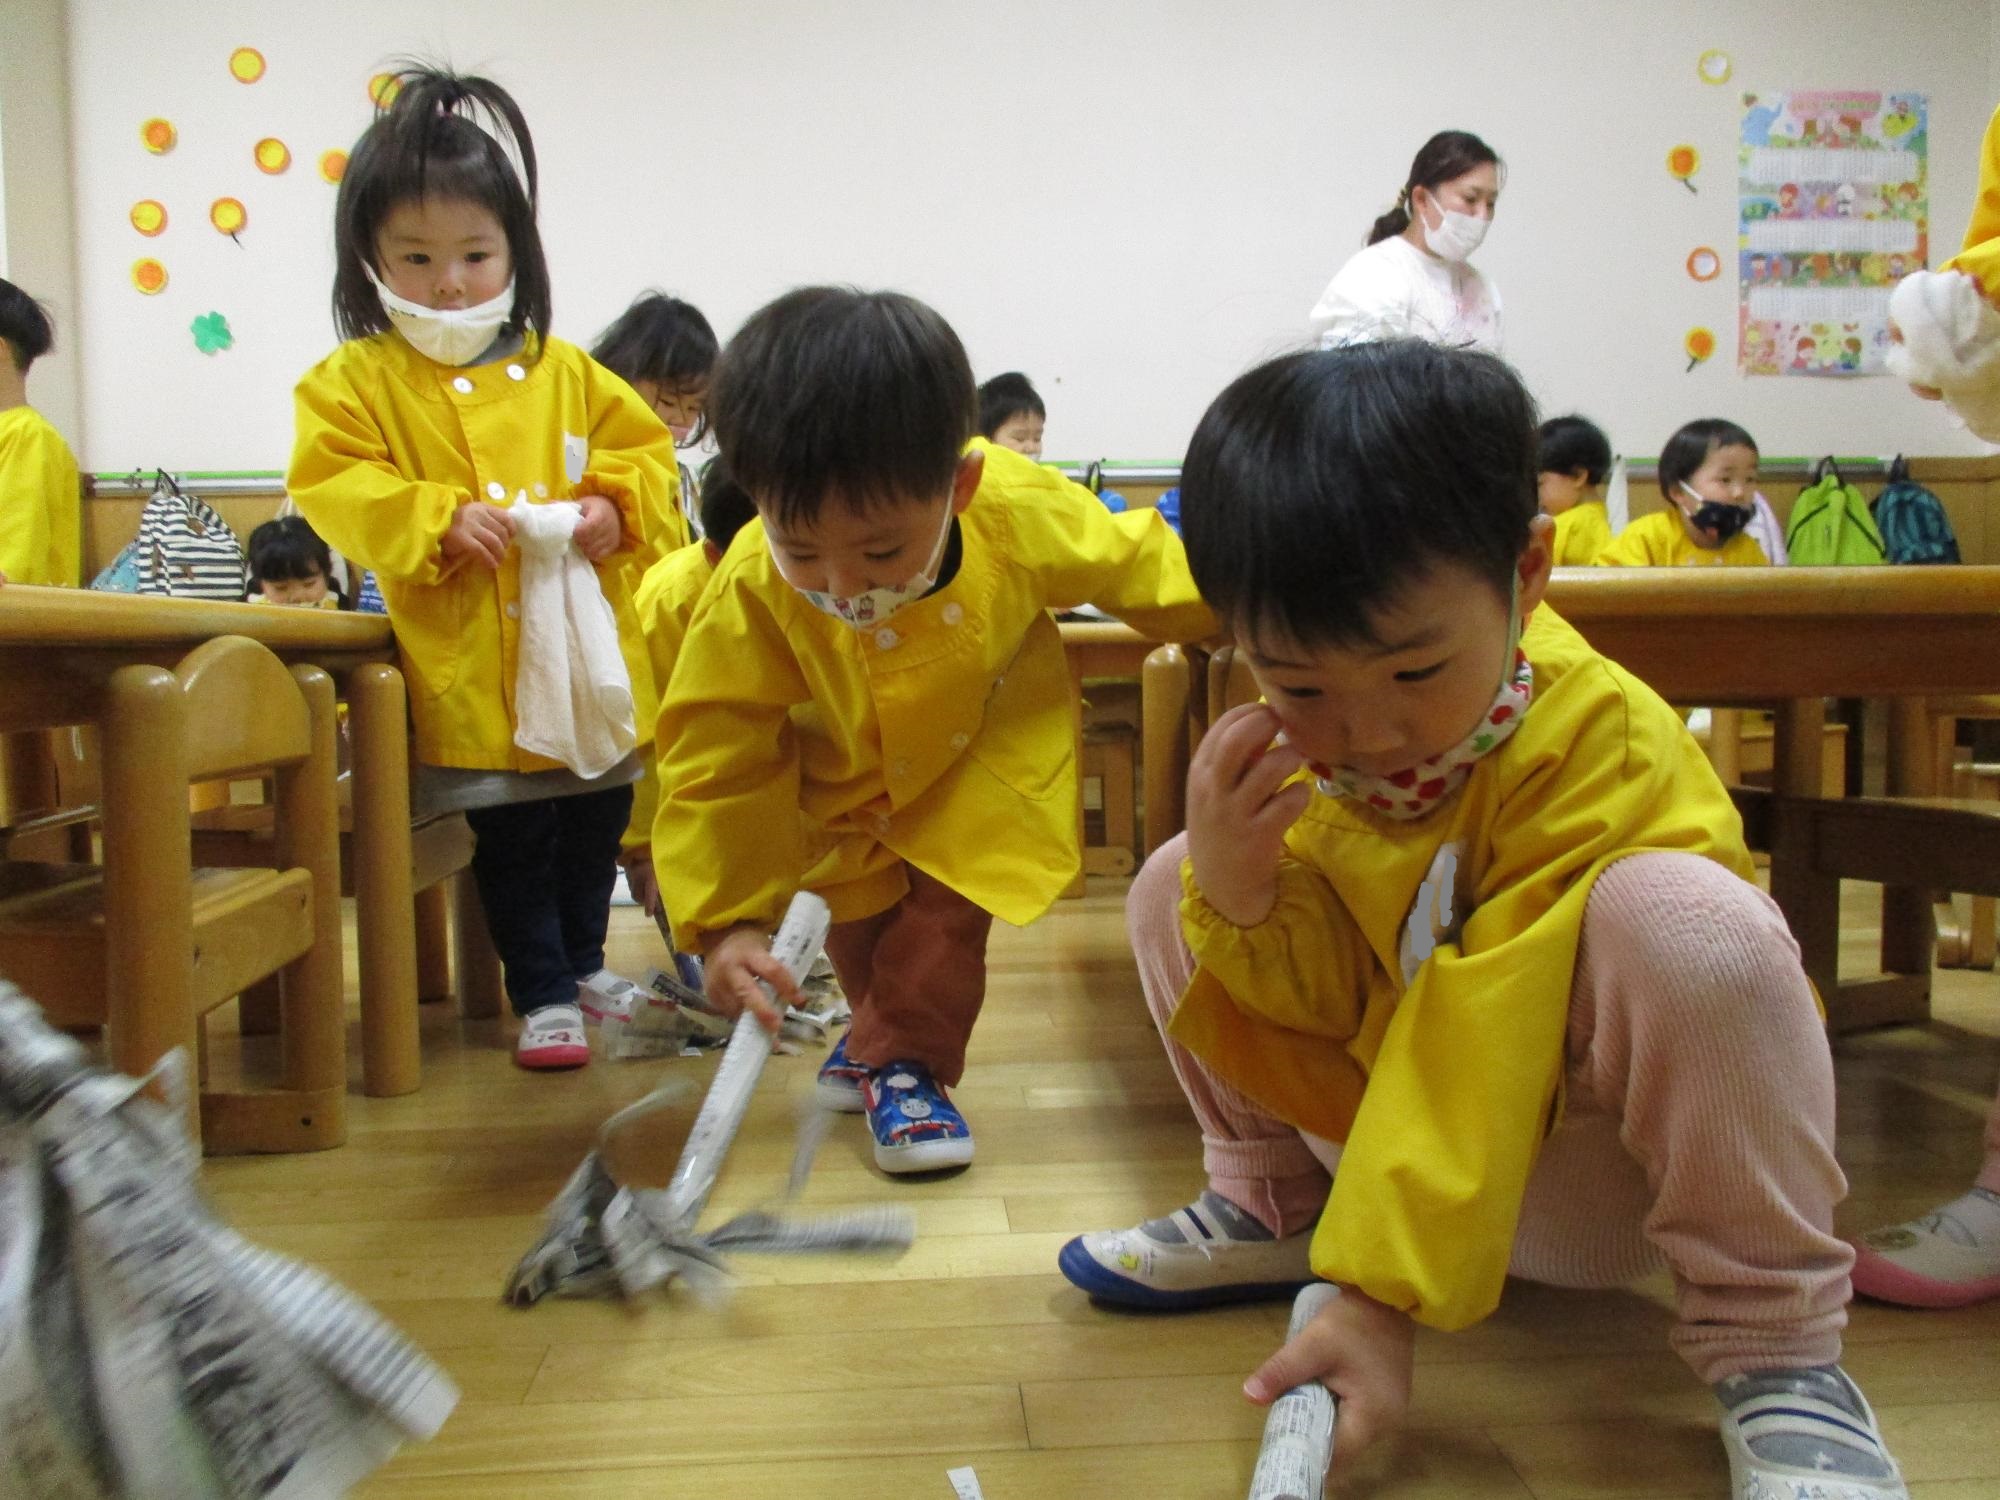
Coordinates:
[572,694]
[1951,343]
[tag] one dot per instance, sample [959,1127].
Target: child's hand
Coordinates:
[1238,811]
[730,971]
[601,530]
[641,882]
[1362,1350]
[478,533]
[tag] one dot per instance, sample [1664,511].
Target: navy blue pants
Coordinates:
[545,871]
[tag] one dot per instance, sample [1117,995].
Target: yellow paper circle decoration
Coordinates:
[158,135]
[149,216]
[333,165]
[273,156]
[383,89]
[1699,345]
[228,215]
[1714,66]
[246,65]
[149,276]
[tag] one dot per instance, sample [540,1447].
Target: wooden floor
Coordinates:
[842,1378]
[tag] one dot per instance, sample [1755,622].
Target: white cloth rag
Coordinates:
[1951,342]
[572,694]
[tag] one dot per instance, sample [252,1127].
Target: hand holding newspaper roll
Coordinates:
[1298,1433]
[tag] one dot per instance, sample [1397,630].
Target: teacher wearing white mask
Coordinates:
[1413,280]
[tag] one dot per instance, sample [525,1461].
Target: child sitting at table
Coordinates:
[1708,475]
[872,701]
[1459,963]
[289,564]
[1573,461]
[41,499]
[1011,413]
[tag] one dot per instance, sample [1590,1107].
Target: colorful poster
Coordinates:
[1834,210]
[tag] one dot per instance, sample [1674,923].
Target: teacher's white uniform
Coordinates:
[1394,290]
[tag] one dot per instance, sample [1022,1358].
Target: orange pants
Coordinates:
[915,976]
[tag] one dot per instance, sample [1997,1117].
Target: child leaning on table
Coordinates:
[1458,962]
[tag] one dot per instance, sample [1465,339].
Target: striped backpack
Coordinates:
[186,550]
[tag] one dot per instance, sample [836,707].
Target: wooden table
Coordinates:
[59,647]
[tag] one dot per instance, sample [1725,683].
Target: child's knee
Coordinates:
[1154,899]
[1708,939]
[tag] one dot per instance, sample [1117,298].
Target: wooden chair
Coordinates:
[147,945]
[403,873]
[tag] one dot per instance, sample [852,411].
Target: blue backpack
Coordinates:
[1912,521]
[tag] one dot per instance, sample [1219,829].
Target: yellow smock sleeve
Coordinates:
[729,844]
[1980,257]
[1464,1088]
[344,483]
[1626,550]
[632,464]
[664,600]
[1131,565]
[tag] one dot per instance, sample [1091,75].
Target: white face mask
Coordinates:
[876,605]
[1456,235]
[454,336]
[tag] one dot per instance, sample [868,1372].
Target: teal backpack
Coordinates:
[1912,521]
[1831,526]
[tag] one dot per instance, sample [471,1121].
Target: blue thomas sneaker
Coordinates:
[916,1126]
[840,1081]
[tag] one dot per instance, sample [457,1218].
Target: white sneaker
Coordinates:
[552,1037]
[1813,1442]
[605,995]
[1205,1268]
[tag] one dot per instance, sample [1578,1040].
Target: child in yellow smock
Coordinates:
[1459,962]
[1708,474]
[1573,461]
[878,654]
[41,502]
[423,443]
[664,604]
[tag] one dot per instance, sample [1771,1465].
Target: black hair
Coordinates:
[288,548]
[25,325]
[1573,444]
[1445,157]
[726,507]
[428,143]
[661,339]
[1006,397]
[1688,449]
[1322,484]
[833,393]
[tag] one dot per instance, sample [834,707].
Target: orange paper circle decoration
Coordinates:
[1699,345]
[149,216]
[158,135]
[333,165]
[149,276]
[1703,264]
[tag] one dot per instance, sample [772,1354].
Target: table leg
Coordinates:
[1810,902]
[1909,925]
[384,906]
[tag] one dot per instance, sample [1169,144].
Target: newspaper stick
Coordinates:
[1298,1433]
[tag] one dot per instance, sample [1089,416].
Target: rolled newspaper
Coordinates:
[1298,1433]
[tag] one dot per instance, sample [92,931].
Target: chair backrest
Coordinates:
[244,711]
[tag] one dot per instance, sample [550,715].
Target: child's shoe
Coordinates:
[605,996]
[1948,1258]
[552,1037]
[1206,1254]
[839,1087]
[1804,1435]
[916,1126]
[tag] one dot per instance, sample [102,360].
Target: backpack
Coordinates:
[121,574]
[186,550]
[1912,521]
[1831,526]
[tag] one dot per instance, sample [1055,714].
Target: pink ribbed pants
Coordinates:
[1698,1128]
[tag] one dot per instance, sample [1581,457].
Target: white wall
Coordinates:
[37,251]
[1130,201]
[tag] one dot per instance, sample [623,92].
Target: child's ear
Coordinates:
[965,483]
[1538,559]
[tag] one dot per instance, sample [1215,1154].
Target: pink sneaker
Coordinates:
[1948,1258]
[551,1038]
